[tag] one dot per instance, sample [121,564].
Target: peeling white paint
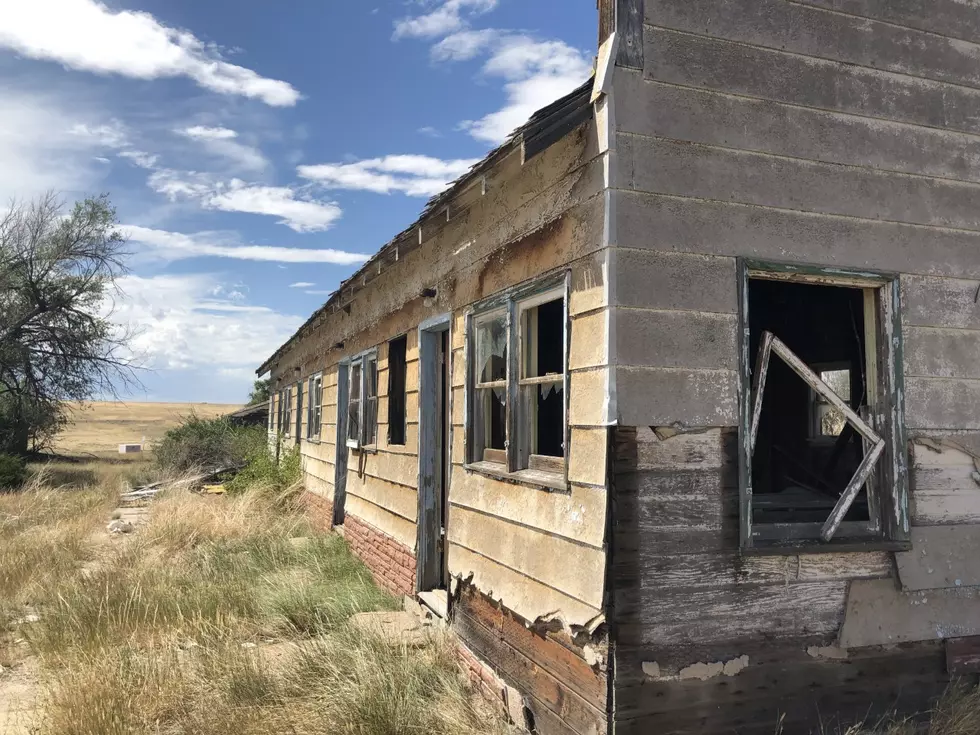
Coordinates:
[701,671]
[651,669]
[835,653]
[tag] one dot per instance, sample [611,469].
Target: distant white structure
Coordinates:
[130,448]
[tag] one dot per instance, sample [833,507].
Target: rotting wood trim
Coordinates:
[963,656]
[772,344]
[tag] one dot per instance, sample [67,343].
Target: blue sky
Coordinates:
[258,151]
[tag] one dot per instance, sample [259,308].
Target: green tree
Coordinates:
[260,392]
[58,272]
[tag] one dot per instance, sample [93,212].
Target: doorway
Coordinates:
[434,372]
[340,457]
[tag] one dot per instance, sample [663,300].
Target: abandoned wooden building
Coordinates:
[672,404]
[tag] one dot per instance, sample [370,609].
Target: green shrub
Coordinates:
[262,471]
[207,444]
[13,472]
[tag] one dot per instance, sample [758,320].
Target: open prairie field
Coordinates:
[101,426]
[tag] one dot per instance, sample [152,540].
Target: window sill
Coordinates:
[366,449]
[812,546]
[531,478]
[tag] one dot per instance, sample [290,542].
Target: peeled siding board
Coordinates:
[527,551]
[766,73]
[940,302]
[675,339]
[934,403]
[706,172]
[521,594]
[701,116]
[679,281]
[579,515]
[945,487]
[815,32]
[660,396]
[689,225]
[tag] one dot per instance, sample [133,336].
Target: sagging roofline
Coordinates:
[545,127]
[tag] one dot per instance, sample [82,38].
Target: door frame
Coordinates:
[341,451]
[430,573]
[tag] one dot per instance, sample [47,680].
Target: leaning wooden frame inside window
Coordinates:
[314,406]
[517,380]
[807,500]
[362,401]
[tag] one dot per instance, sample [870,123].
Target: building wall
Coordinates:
[831,132]
[534,553]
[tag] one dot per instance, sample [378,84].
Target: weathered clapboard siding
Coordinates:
[675,339]
[831,132]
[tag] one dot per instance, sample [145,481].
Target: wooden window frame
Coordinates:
[361,361]
[888,527]
[391,439]
[515,461]
[314,407]
[287,411]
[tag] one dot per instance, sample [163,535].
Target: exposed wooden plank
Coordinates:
[942,557]
[658,396]
[929,301]
[629,31]
[701,116]
[519,593]
[945,486]
[767,73]
[687,225]
[662,280]
[708,172]
[771,611]
[880,614]
[701,450]
[952,18]
[675,339]
[558,658]
[934,403]
[537,555]
[815,32]
[942,353]
[963,656]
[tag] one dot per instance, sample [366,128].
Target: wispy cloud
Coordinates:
[223,142]
[302,284]
[465,45]
[173,246]
[296,209]
[411,174]
[446,18]
[88,36]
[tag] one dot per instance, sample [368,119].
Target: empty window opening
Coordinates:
[362,402]
[490,399]
[314,411]
[543,379]
[397,376]
[287,410]
[806,452]
[370,417]
[354,405]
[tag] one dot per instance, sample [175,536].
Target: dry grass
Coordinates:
[101,426]
[957,713]
[220,616]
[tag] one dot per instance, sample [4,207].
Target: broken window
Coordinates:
[362,402]
[821,453]
[314,409]
[518,409]
[299,411]
[397,377]
[287,410]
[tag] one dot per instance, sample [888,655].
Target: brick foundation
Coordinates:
[319,509]
[392,563]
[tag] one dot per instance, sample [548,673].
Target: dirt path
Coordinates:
[18,698]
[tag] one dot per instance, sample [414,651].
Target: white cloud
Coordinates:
[430,131]
[412,174]
[204,132]
[443,20]
[298,211]
[108,135]
[301,284]
[183,325]
[536,73]
[140,158]
[172,246]
[222,142]
[464,45]
[88,36]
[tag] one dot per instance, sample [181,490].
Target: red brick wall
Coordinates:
[319,509]
[392,563]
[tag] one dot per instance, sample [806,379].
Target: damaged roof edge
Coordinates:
[546,127]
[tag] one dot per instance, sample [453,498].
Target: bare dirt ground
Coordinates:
[101,426]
